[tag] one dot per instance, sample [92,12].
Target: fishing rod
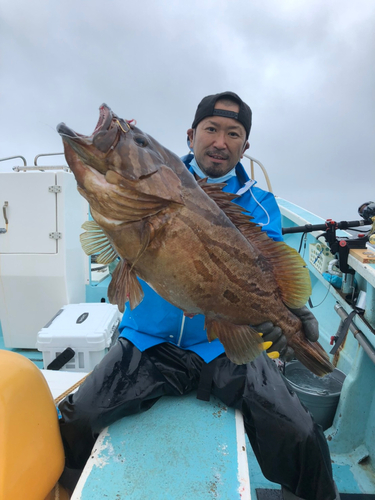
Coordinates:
[339,246]
[309,228]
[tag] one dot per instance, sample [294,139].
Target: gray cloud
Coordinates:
[305,69]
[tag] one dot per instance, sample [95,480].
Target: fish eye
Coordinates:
[140,141]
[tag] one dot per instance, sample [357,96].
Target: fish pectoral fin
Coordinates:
[93,240]
[125,287]
[242,343]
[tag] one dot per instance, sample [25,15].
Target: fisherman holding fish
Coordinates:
[163,349]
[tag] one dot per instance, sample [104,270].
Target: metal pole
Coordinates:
[361,339]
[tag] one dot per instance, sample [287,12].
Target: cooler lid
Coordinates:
[82,321]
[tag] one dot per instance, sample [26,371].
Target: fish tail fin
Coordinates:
[242,343]
[311,354]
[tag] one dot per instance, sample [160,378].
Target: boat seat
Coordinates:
[31,451]
[181,448]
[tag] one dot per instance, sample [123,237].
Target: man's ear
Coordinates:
[246,146]
[190,134]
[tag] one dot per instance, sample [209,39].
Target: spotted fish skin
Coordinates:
[187,240]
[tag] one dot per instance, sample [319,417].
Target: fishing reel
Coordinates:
[340,246]
[367,210]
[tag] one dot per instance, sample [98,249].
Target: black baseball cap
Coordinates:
[207,108]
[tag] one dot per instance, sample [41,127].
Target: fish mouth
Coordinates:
[65,131]
[94,153]
[106,116]
[81,151]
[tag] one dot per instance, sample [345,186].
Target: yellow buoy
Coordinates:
[31,450]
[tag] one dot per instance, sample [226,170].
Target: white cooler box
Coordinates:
[86,328]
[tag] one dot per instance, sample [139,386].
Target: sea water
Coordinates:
[311,383]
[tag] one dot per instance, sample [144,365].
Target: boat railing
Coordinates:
[252,173]
[41,168]
[64,167]
[13,158]
[45,154]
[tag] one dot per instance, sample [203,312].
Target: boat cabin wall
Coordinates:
[41,260]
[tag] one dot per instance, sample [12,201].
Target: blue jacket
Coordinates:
[156,321]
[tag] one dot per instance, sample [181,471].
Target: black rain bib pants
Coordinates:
[290,447]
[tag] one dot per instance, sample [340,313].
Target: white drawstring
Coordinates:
[247,187]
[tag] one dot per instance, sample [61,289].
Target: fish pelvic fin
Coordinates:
[311,354]
[286,264]
[241,342]
[125,287]
[94,241]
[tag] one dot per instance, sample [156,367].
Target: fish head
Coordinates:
[116,144]
[118,164]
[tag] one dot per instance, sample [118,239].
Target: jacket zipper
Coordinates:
[181,330]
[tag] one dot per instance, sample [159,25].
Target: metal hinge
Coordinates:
[55,236]
[54,189]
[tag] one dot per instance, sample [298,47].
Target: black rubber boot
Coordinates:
[288,495]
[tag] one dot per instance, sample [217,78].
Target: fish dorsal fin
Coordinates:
[125,287]
[290,270]
[288,267]
[93,240]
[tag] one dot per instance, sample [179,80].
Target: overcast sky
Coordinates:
[306,68]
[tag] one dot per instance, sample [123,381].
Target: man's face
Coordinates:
[218,142]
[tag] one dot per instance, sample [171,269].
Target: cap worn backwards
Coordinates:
[206,108]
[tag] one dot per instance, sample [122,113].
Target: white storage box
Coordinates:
[86,328]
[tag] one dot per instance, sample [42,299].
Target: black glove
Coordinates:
[309,323]
[274,334]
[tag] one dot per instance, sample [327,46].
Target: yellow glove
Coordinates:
[274,340]
[275,343]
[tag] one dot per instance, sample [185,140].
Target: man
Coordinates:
[160,352]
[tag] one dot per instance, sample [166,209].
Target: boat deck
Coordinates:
[203,444]
[211,456]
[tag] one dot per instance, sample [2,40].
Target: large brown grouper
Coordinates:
[187,240]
